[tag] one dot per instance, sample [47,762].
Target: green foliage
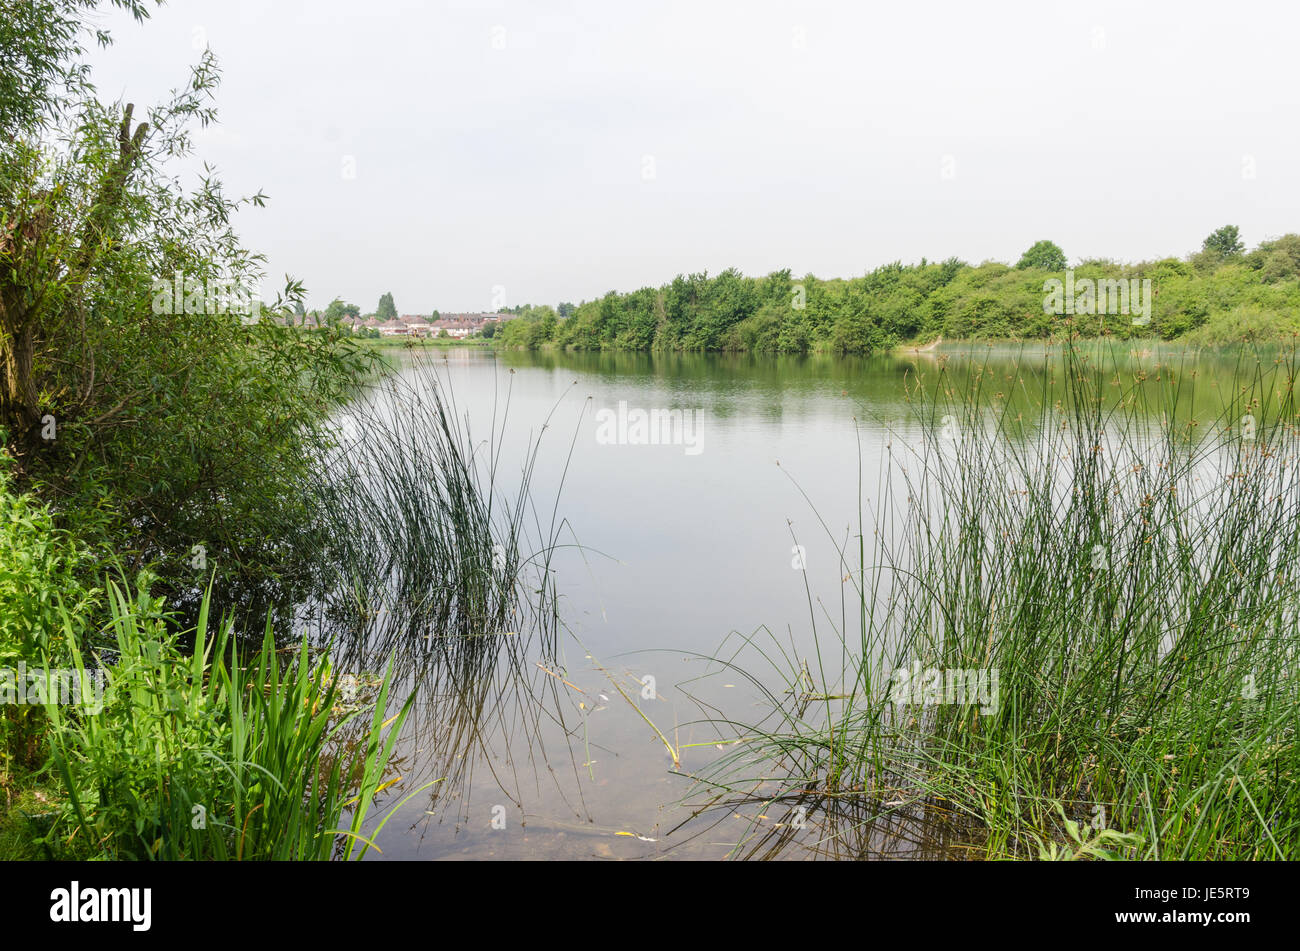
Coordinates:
[534,327]
[1043,255]
[386,310]
[1224,242]
[40,42]
[337,310]
[425,532]
[1249,323]
[897,303]
[44,602]
[1119,547]
[155,428]
[42,574]
[1086,841]
[208,755]
[1277,260]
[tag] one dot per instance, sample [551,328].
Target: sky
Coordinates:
[471,155]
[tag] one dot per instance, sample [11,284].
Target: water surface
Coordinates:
[539,740]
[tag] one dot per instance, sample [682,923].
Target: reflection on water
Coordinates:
[574,731]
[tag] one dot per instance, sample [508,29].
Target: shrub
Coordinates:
[41,580]
[1246,322]
[44,604]
[189,757]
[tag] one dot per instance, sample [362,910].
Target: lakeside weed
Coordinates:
[212,755]
[1131,573]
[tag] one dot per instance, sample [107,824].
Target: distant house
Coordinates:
[465,325]
[473,320]
[458,326]
[455,328]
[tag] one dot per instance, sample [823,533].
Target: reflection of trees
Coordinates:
[795,386]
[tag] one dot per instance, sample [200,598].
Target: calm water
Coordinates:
[672,552]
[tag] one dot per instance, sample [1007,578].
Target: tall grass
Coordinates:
[1131,572]
[210,755]
[423,535]
[441,558]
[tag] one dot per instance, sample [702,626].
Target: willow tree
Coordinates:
[171,421]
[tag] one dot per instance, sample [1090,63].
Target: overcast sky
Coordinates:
[548,151]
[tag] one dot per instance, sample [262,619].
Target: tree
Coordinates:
[949,270]
[41,42]
[334,313]
[1225,242]
[565,309]
[169,427]
[1045,256]
[338,310]
[386,310]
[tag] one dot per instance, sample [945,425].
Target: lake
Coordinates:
[695,500]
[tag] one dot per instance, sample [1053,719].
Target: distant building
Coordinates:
[465,325]
[420,325]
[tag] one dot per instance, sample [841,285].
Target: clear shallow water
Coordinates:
[670,551]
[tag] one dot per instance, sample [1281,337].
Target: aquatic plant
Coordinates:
[210,754]
[1124,572]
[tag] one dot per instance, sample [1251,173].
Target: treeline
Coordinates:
[1217,295]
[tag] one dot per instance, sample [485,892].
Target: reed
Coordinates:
[1127,566]
[439,556]
[422,536]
